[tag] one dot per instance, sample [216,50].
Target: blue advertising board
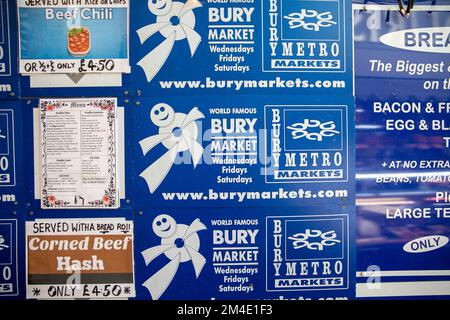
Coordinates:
[9,79]
[7,148]
[403,151]
[257,151]
[11,180]
[245,253]
[237,142]
[9,258]
[245,47]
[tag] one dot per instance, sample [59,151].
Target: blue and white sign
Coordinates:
[10,152]
[226,253]
[189,47]
[307,130]
[11,170]
[86,38]
[7,148]
[9,81]
[307,240]
[257,151]
[8,258]
[403,153]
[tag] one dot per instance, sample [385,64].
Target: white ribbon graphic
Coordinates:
[2,243]
[175,21]
[178,133]
[180,243]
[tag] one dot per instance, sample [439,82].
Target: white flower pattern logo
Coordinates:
[314,239]
[302,130]
[304,19]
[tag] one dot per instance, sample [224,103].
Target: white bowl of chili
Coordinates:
[78,41]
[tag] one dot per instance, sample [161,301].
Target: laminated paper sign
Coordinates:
[80,258]
[78,154]
[56,37]
[403,167]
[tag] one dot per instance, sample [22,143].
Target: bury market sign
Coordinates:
[185,47]
[304,35]
[307,130]
[81,38]
[247,253]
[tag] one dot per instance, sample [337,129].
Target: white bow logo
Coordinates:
[178,132]
[2,243]
[175,21]
[179,243]
[323,239]
[300,130]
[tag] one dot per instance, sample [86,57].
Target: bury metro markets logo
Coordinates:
[318,133]
[289,27]
[307,252]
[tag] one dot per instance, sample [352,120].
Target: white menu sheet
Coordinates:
[78,155]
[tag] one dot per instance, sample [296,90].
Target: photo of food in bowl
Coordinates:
[79,41]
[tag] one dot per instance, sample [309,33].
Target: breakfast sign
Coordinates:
[73,36]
